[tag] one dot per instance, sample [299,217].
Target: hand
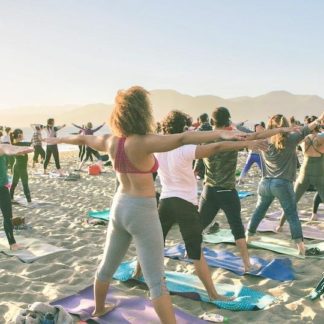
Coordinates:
[259,145]
[234,135]
[52,140]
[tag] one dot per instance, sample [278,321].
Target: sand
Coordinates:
[66,273]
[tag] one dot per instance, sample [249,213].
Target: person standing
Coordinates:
[37,143]
[5,200]
[52,149]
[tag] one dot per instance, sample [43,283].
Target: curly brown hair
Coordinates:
[174,122]
[279,140]
[132,113]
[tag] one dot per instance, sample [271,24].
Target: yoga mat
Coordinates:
[303,215]
[309,231]
[129,310]
[264,242]
[244,194]
[100,214]
[190,286]
[35,249]
[277,269]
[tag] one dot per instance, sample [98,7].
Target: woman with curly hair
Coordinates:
[278,174]
[134,213]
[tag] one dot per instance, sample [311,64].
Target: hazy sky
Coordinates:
[78,51]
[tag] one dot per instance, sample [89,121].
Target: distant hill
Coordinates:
[242,108]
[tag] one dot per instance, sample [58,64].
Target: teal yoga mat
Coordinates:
[100,214]
[190,286]
[264,242]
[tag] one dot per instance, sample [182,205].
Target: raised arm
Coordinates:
[207,150]
[96,129]
[78,126]
[316,122]
[98,143]
[162,143]
[60,127]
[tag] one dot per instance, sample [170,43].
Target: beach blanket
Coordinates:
[129,310]
[264,242]
[309,231]
[100,214]
[277,269]
[189,286]
[35,249]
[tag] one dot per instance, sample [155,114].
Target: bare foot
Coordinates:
[314,217]
[278,229]
[16,247]
[107,308]
[218,297]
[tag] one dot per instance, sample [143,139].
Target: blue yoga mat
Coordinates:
[100,214]
[244,194]
[190,286]
[277,269]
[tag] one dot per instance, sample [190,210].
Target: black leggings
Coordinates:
[89,152]
[316,202]
[5,206]
[215,198]
[52,149]
[38,150]
[20,173]
[176,210]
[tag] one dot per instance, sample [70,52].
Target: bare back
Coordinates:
[313,145]
[134,184]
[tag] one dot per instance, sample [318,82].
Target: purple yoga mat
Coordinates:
[129,310]
[309,231]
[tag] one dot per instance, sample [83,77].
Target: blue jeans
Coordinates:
[268,190]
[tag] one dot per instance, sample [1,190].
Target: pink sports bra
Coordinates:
[122,163]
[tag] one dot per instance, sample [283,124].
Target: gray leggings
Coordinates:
[135,218]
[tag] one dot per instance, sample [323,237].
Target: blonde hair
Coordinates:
[132,113]
[279,140]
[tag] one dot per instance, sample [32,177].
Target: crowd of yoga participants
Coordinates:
[138,149]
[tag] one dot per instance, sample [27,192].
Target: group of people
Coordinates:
[137,152]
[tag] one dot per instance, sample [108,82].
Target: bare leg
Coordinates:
[242,246]
[100,293]
[164,309]
[301,248]
[203,273]
[16,246]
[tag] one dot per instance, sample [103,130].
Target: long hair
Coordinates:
[15,135]
[279,140]
[132,113]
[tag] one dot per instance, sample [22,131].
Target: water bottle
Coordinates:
[49,319]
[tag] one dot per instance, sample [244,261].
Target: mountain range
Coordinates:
[241,108]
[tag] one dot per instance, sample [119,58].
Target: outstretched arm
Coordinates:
[270,132]
[7,149]
[96,129]
[60,127]
[78,126]
[98,143]
[162,143]
[207,150]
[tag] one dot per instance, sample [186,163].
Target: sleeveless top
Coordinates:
[122,163]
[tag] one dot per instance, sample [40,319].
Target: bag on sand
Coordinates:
[41,313]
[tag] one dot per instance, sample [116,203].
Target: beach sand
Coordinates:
[63,274]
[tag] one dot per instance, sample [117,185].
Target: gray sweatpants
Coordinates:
[135,218]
